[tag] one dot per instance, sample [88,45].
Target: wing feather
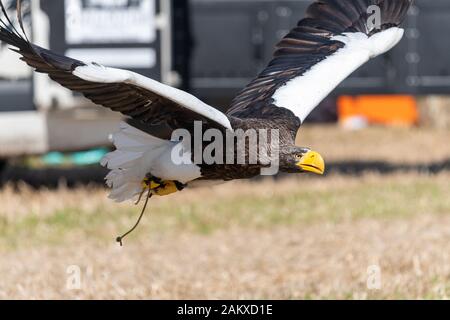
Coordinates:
[332,41]
[132,94]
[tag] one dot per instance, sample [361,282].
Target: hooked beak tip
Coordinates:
[312,162]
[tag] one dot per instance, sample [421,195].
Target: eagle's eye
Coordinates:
[298,157]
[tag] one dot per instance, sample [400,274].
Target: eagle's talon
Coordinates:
[160,187]
[151,183]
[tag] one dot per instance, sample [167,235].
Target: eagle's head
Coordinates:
[298,159]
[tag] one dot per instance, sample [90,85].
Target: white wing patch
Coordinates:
[98,73]
[302,94]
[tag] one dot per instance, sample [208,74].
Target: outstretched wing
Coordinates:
[124,91]
[335,38]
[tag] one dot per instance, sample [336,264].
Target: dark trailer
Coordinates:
[242,34]
[38,115]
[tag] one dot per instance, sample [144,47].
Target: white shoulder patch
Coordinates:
[302,94]
[98,73]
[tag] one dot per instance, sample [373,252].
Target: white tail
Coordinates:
[129,164]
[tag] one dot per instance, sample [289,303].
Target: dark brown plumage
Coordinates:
[308,44]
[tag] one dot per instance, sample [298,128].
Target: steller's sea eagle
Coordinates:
[334,39]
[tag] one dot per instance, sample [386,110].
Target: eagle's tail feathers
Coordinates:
[131,161]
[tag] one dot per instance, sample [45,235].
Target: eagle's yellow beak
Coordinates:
[312,162]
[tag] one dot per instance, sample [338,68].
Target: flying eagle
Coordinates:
[334,39]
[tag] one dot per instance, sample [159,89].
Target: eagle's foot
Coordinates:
[161,187]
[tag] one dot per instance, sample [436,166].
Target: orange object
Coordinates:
[379,109]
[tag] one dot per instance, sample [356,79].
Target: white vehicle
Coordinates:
[36,114]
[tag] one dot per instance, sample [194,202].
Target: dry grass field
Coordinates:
[397,145]
[297,238]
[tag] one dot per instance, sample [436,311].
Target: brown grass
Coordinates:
[400,145]
[296,239]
